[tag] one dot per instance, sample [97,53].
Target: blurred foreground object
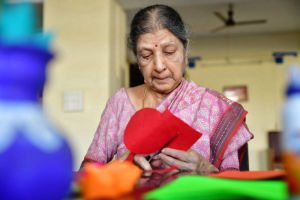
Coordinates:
[108,181]
[291,131]
[200,187]
[35,161]
[18,26]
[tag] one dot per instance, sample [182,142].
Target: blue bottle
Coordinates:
[35,160]
[291,132]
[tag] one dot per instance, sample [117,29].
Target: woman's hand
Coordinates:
[190,161]
[139,160]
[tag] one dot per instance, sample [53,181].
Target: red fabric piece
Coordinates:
[148,131]
[130,157]
[186,136]
[162,170]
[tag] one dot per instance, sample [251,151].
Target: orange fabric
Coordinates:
[109,181]
[250,175]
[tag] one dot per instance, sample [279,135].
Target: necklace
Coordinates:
[144,97]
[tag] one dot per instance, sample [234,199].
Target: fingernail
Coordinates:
[163,150]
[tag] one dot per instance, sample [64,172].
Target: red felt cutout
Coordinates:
[148,131]
[186,137]
[130,157]
[163,170]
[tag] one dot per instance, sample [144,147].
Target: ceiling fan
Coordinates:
[230,22]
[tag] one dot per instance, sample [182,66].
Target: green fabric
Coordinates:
[199,187]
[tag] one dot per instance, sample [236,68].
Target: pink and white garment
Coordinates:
[220,120]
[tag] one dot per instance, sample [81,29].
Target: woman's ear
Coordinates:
[186,52]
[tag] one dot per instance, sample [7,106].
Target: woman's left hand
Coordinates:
[190,161]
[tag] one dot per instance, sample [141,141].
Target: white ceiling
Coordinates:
[281,15]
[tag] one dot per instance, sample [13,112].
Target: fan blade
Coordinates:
[218,29]
[220,16]
[262,21]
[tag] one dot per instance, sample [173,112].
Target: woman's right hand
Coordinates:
[142,162]
[139,160]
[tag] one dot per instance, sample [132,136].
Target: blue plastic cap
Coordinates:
[279,60]
[191,64]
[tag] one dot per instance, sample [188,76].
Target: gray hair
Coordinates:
[157,17]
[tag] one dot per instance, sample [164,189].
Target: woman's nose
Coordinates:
[159,64]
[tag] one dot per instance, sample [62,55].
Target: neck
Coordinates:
[152,98]
[157,96]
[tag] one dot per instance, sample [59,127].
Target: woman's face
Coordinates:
[162,60]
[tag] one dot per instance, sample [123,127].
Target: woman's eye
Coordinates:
[169,52]
[146,56]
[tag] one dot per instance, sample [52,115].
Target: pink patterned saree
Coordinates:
[220,120]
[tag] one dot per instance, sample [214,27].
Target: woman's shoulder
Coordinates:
[120,94]
[135,91]
[118,99]
[219,96]
[119,103]
[124,98]
[210,94]
[135,95]
[192,89]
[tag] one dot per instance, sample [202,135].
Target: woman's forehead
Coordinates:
[160,37]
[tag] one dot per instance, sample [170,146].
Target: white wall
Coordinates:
[254,67]
[90,55]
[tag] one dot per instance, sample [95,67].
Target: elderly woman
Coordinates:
[159,40]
